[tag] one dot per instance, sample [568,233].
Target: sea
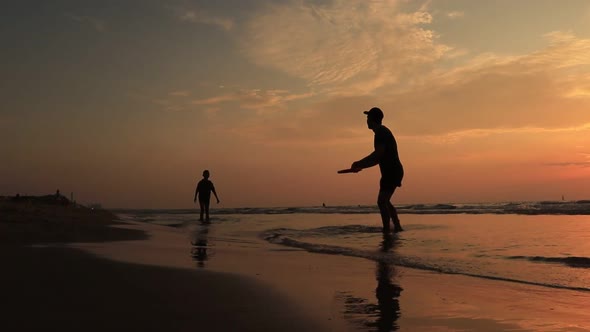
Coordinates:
[546,243]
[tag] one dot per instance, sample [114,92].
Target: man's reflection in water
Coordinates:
[387,292]
[200,244]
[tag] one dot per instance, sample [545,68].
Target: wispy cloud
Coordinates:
[492,91]
[565,51]
[96,24]
[198,15]
[254,99]
[258,100]
[453,137]
[180,93]
[455,15]
[491,96]
[168,105]
[359,46]
[321,123]
[583,164]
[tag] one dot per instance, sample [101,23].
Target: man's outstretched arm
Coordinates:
[370,160]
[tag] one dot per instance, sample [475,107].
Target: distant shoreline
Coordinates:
[51,219]
[579,207]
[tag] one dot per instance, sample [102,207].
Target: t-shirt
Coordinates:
[204,188]
[390,165]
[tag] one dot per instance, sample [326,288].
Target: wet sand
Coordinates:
[48,285]
[62,289]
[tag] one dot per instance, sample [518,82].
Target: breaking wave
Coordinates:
[296,239]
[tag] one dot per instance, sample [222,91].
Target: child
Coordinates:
[204,189]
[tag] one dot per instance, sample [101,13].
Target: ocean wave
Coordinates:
[571,261]
[289,238]
[331,231]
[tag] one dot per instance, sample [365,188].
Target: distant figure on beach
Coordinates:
[204,189]
[59,198]
[386,156]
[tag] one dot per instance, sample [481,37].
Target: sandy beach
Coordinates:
[50,285]
[151,278]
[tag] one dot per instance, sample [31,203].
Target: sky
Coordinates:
[125,103]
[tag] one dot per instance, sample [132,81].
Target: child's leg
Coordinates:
[206,203]
[202,207]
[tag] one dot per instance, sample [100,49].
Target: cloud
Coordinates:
[168,105]
[258,100]
[455,15]
[355,46]
[582,164]
[334,122]
[490,96]
[453,137]
[544,89]
[565,51]
[254,99]
[181,93]
[203,16]
[98,25]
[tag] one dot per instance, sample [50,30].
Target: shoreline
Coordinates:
[28,222]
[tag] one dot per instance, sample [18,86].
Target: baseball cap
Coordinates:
[374,113]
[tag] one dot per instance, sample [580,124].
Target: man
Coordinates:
[204,189]
[392,171]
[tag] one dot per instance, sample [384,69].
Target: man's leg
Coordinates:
[397,227]
[383,203]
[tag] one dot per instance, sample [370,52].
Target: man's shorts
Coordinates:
[388,184]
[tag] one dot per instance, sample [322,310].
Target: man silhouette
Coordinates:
[392,171]
[204,189]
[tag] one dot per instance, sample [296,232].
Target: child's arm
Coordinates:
[196,193]
[214,193]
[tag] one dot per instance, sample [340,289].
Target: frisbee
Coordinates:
[348,170]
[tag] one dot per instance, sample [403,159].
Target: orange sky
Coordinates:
[127,104]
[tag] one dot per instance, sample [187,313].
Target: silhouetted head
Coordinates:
[374,117]
[206,174]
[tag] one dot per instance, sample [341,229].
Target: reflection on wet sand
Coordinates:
[387,292]
[200,244]
[382,316]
